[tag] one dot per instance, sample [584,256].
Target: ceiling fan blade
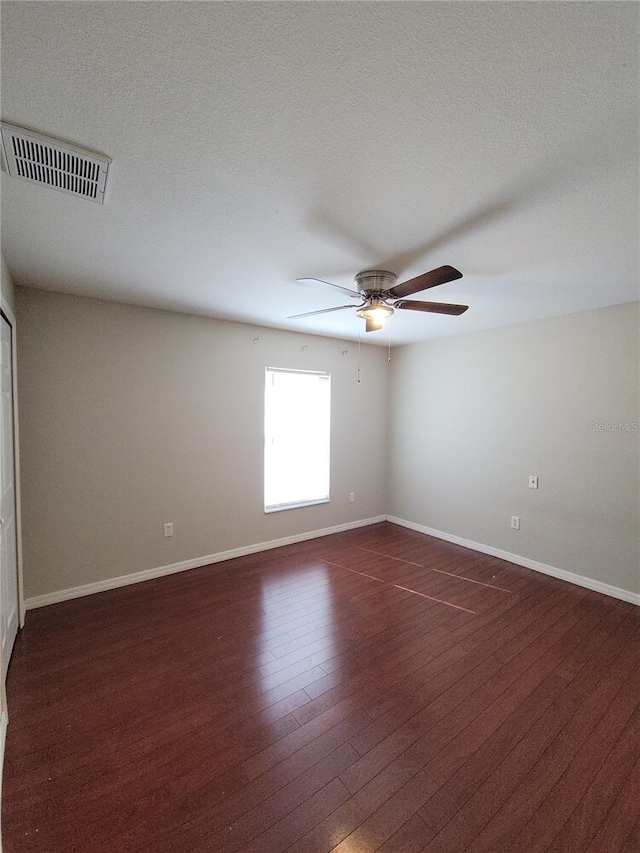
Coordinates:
[431,307]
[321,311]
[337,286]
[373,325]
[441,275]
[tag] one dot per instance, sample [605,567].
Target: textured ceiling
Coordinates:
[254,143]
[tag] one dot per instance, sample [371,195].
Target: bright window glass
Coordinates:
[297,433]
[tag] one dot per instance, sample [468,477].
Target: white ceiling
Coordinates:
[254,143]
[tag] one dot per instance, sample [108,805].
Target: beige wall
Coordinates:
[132,417]
[7,289]
[474,415]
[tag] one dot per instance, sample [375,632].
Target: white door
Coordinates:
[9,612]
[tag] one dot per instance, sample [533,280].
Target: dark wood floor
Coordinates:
[375,690]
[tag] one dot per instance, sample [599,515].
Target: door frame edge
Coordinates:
[11,318]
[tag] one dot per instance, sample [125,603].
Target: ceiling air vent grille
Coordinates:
[53,163]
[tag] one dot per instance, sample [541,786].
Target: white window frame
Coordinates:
[269,438]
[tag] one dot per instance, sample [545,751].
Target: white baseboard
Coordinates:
[195,563]
[198,562]
[561,574]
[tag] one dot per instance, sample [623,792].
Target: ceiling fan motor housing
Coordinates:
[374,281]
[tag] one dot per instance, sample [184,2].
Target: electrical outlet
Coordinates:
[168,529]
[352,497]
[515,522]
[533,481]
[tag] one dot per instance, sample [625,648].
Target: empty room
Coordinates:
[319,520]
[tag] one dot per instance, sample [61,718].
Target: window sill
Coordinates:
[296,505]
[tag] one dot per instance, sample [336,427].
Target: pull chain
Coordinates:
[358,358]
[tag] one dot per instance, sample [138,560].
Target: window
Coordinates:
[297,428]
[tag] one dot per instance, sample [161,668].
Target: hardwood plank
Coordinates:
[299,700]
[389,736]
[408,661]
[385,784]
[321,783]
[389,818]
[618,826]
[279,836]
[512,792]
[302,735]
[460,785]
[410,838]
[632,841]
[599,766]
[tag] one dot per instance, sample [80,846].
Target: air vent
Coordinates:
[53,163]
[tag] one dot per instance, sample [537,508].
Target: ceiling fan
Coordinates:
[380,295]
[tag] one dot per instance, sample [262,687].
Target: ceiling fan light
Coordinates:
[376,311]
